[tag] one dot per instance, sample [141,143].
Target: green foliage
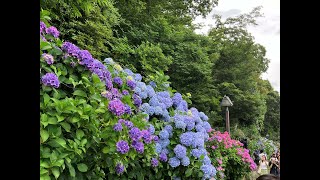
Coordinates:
[85,23]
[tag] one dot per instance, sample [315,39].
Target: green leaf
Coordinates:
[45,45]
[43,171]
[95,78]
[61,142]
[58,163]
[82,167]
[44,135]
[52,120]
[71,170]
[74,119]
[45,177]
[99,110]
[55,171]
[66,126]
[79,134]
[44,164]
[105,150]
[60,118]
[83,142]
[188,172]
[79,93]
[46,98]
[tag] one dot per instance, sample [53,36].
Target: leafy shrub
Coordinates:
[231,159]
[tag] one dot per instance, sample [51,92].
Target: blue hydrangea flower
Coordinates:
[164,142]
[180,125]
[150,91]
[180,151]
[158,148]
[206,160]
[186,138]
[185,161]
[137,77]
[174,162]
[177,98]
[164,134]
[169,129]
[196,153]
[165,150]
[151,129]
[206,126]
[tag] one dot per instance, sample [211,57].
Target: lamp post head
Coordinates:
[226,101]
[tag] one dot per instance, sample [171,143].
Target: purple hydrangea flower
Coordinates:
[155,138]
[53,31]
[117,127]
[154,162]
[122,147]
[43,27]
[131,84]
[48,58]
[146,136]
[116,107]
[122,121]
[127,109]
[107,94]
[138,146]
[70,49]
[163,157]
[118,81]
[180,151]
[137,100]
[135,134]
[50,79]
[174,162]
[119,168]
[125,92]
[129,124]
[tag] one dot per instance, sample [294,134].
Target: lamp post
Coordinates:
[226,102]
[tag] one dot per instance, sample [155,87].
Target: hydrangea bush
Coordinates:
[100,121]
[231,159]
[90,125]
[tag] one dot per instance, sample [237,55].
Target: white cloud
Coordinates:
[267,33]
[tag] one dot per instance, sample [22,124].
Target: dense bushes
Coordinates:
[100,121]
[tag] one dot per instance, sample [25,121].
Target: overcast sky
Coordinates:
[266,33]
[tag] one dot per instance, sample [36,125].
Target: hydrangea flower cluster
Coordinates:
[50,79]
[48,58]
[222,142]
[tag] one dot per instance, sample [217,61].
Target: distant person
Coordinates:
[256,157]
[274,163]
[262,153]
[268,177]
[245,143]
[263,165]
